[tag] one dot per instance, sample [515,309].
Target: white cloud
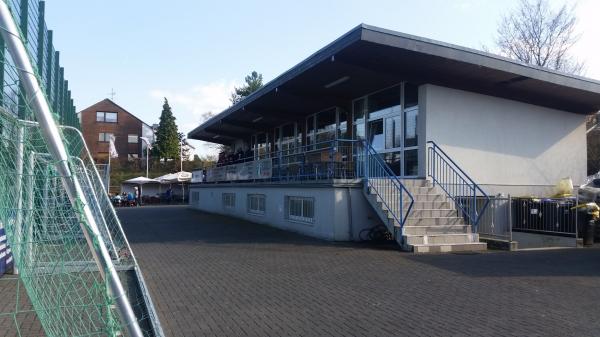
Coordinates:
[191,104]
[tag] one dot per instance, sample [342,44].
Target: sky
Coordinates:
[194,52]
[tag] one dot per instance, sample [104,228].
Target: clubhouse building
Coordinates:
[381,128]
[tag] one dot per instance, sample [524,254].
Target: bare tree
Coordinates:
[535,33]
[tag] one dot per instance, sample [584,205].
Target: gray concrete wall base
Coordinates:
[533,240]
[340,213]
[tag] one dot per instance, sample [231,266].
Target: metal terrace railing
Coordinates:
[456,183]
[383,182]
[335,159]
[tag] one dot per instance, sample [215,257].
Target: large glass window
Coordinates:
[343,132]
[310,130]
[325,127]
[288,138]
[376,134]
[411,114]
[358,119]
[393,132]
[260,145]
[384,102]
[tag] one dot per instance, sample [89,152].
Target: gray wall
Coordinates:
[340,212]
[502,144]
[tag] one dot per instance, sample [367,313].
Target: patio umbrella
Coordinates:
[140,181]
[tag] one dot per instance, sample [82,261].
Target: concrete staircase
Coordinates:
[434,224]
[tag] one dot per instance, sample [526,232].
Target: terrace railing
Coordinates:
[327,160]
[456,183]
[383,182]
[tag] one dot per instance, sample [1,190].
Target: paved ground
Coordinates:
[216,276]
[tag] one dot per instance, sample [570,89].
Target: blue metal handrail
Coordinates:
[456,183]
[390,188]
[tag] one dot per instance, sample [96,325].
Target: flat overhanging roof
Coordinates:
[368,58]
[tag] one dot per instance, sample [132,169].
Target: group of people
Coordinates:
[229,157]
[129,198]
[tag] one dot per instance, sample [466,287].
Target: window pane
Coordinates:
[359,131]
[384,102]
[326,126]
[101,137]
[310,130]
[359,110]
[376,134]
[411,163]
[99,116]
[410,127]
[132,139]
[343,128]
[393,161]
[111,117]
[411,95]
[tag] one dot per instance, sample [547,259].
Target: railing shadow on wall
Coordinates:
[457,185]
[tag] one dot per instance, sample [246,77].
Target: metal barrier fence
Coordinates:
[496,221]
[550,216]
[546,216]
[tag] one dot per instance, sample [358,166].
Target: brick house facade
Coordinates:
[106,117]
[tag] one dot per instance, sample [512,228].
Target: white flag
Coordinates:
[147,141]
[112,150]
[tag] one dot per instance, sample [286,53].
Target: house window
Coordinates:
[132,156]
[301,209]
[132,139]
[228,200]
[104,136]
[256,204]
[106,117]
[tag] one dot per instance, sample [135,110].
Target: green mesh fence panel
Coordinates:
[59,290]
[56,266]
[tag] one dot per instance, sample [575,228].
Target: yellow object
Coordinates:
[592,208]
[564,188]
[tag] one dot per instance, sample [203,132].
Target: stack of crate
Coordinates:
[6,260]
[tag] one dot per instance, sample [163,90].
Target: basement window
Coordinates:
[256,204]
[300,209]
[228,200]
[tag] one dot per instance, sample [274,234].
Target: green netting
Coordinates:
[55,264]
[59,290]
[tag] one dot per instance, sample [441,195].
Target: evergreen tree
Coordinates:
[167,137]
[254,81]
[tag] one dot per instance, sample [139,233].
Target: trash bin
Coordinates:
[588,233]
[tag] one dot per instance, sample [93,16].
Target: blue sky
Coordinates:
[194,52]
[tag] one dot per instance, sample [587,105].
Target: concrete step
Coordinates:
[447,248]
[406,182]
[440,229]
[434,221]
[430,197]
[438,239]
[420,213]
[432,213]
[417,198]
